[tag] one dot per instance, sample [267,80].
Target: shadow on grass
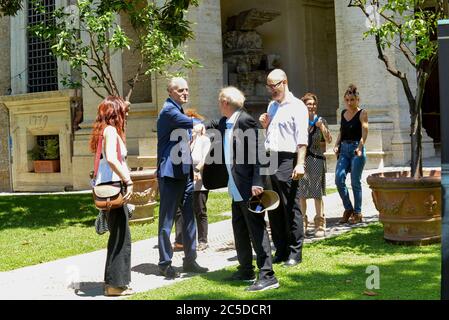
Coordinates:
[51,211]
[369,241]
[339,272]
[46,211]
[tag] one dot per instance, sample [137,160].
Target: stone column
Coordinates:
[5,89]
[205,82]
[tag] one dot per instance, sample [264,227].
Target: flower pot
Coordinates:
[46,166]
[145,190]
[409,209]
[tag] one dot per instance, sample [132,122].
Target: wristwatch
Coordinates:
[196,170]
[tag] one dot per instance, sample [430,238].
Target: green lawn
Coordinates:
[332,269]
[36,229]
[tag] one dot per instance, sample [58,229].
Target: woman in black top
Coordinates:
[350,150]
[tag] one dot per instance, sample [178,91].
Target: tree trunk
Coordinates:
[416,127]
[416,147]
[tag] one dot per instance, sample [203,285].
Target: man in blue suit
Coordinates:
[174,169]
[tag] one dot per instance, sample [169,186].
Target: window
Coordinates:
[42,65]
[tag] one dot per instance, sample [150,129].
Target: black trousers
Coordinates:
[200,211]
[286,221]
[118,261]
[250,229]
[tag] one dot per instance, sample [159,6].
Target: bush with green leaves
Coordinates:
[49,151]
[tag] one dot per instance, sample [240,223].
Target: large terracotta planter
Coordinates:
[409,209]
[144,195]
[46,166]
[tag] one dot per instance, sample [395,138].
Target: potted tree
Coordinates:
[409,202]
[46,158]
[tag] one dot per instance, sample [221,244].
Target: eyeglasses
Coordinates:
[274,86]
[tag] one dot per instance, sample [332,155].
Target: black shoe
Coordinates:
[291,262]
[242,276]
[277,259]
[264,284]
[169,272]
[193,267]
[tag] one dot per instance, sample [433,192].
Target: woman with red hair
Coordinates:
[110,124]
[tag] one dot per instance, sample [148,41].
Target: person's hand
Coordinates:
[264,120]
[336,149]
[298,172]
[196,176]
[358,152]
[129,192]
[319,124]
[256,190]
[199,129]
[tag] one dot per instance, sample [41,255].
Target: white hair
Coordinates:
[233,96]
[174,82]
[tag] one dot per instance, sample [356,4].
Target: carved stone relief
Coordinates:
[243,51]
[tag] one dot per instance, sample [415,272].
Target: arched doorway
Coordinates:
[297,36]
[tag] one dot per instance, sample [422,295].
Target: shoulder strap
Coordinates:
[98,154]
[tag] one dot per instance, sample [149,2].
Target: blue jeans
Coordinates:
[349,162]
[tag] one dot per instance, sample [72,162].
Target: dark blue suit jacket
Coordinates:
[170,118]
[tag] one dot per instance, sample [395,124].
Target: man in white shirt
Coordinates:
[286,123]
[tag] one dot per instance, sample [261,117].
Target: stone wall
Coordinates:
[5,179]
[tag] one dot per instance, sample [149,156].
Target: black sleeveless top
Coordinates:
[351,130]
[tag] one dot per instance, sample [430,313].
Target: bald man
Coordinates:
[286,124]
[175,172]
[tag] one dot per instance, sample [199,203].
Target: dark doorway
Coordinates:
[431,108]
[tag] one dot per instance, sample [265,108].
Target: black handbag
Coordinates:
[214,175]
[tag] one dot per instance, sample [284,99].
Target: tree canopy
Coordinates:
[88,33]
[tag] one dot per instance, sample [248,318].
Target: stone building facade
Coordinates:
[317,42]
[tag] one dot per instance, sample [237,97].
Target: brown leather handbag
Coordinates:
[107,195]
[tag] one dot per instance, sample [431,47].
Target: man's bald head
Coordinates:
[277,75]
[277,84]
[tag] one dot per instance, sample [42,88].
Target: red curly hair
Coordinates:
[111,112]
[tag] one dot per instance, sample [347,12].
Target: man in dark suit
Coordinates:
[174,169]
[239,169]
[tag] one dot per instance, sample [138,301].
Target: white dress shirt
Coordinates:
[228,153]
[288,126]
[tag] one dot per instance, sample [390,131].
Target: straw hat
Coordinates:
[268,200]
